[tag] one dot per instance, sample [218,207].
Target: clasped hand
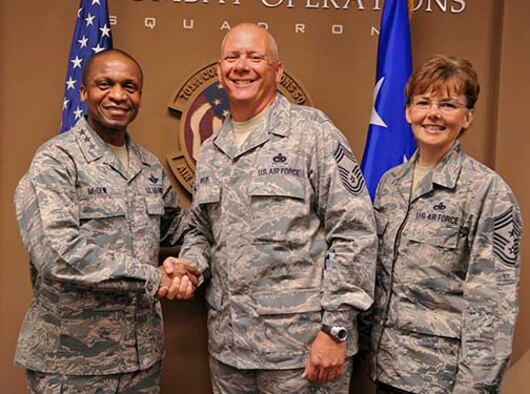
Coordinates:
[179,280]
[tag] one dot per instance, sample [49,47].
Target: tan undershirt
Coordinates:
[419,173]
[243,129]
[122,153]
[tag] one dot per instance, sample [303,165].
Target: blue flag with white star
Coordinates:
[91,35]
[390,140]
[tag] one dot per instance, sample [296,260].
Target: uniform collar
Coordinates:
[94,148]
[445,174]
[276,123]
[90,143]
[447,171]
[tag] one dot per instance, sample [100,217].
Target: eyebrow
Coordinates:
[430,98]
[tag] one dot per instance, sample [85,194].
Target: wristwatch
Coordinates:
[338,333]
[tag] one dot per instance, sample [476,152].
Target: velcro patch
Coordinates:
[349,170]
[506,238]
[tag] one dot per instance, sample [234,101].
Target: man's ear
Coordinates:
[82,93]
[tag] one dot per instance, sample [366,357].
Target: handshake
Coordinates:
[179,280]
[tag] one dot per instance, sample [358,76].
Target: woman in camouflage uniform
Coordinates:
[448,260]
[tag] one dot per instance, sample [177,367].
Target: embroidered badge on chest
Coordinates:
[279,165]
[506,237]
[440,207]
[439,214]
[279,158]
[349,170]
[153,179]
[154,187]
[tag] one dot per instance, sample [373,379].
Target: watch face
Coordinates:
[339,333]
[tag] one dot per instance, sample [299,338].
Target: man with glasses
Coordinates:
[282,224]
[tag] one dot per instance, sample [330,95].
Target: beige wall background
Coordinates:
[337,71]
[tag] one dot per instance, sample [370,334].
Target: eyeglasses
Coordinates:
[253,58]
[447,107]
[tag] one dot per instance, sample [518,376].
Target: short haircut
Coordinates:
[273,46]
[106,52]
[441,73]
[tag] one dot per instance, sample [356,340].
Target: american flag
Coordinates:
[91,35]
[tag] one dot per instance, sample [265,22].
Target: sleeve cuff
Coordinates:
[153,281]
[342,318]
[192,260]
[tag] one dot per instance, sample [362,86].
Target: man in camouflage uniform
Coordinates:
[93,209]
[282,223]
[448,260]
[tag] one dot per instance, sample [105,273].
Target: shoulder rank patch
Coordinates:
[349,170]
[506,237]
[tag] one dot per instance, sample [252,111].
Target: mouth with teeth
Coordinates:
[433,128]
[116,111]
[242,82]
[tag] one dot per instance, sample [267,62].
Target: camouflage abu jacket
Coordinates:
[264,218]
[93,231]
[447,277]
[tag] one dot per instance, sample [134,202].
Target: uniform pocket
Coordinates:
[293,301]
[436,256]
[288,321]
[279,211]
[101,217]
[436,235]
[96,326]
[154,205]
[277,187]
[101,208]
[431,322]
[436,266]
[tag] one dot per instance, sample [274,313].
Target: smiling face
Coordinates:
[249,70]
[437,128]
[441,97]
[112,90]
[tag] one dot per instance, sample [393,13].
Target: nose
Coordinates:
[242,63]
[117,93]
